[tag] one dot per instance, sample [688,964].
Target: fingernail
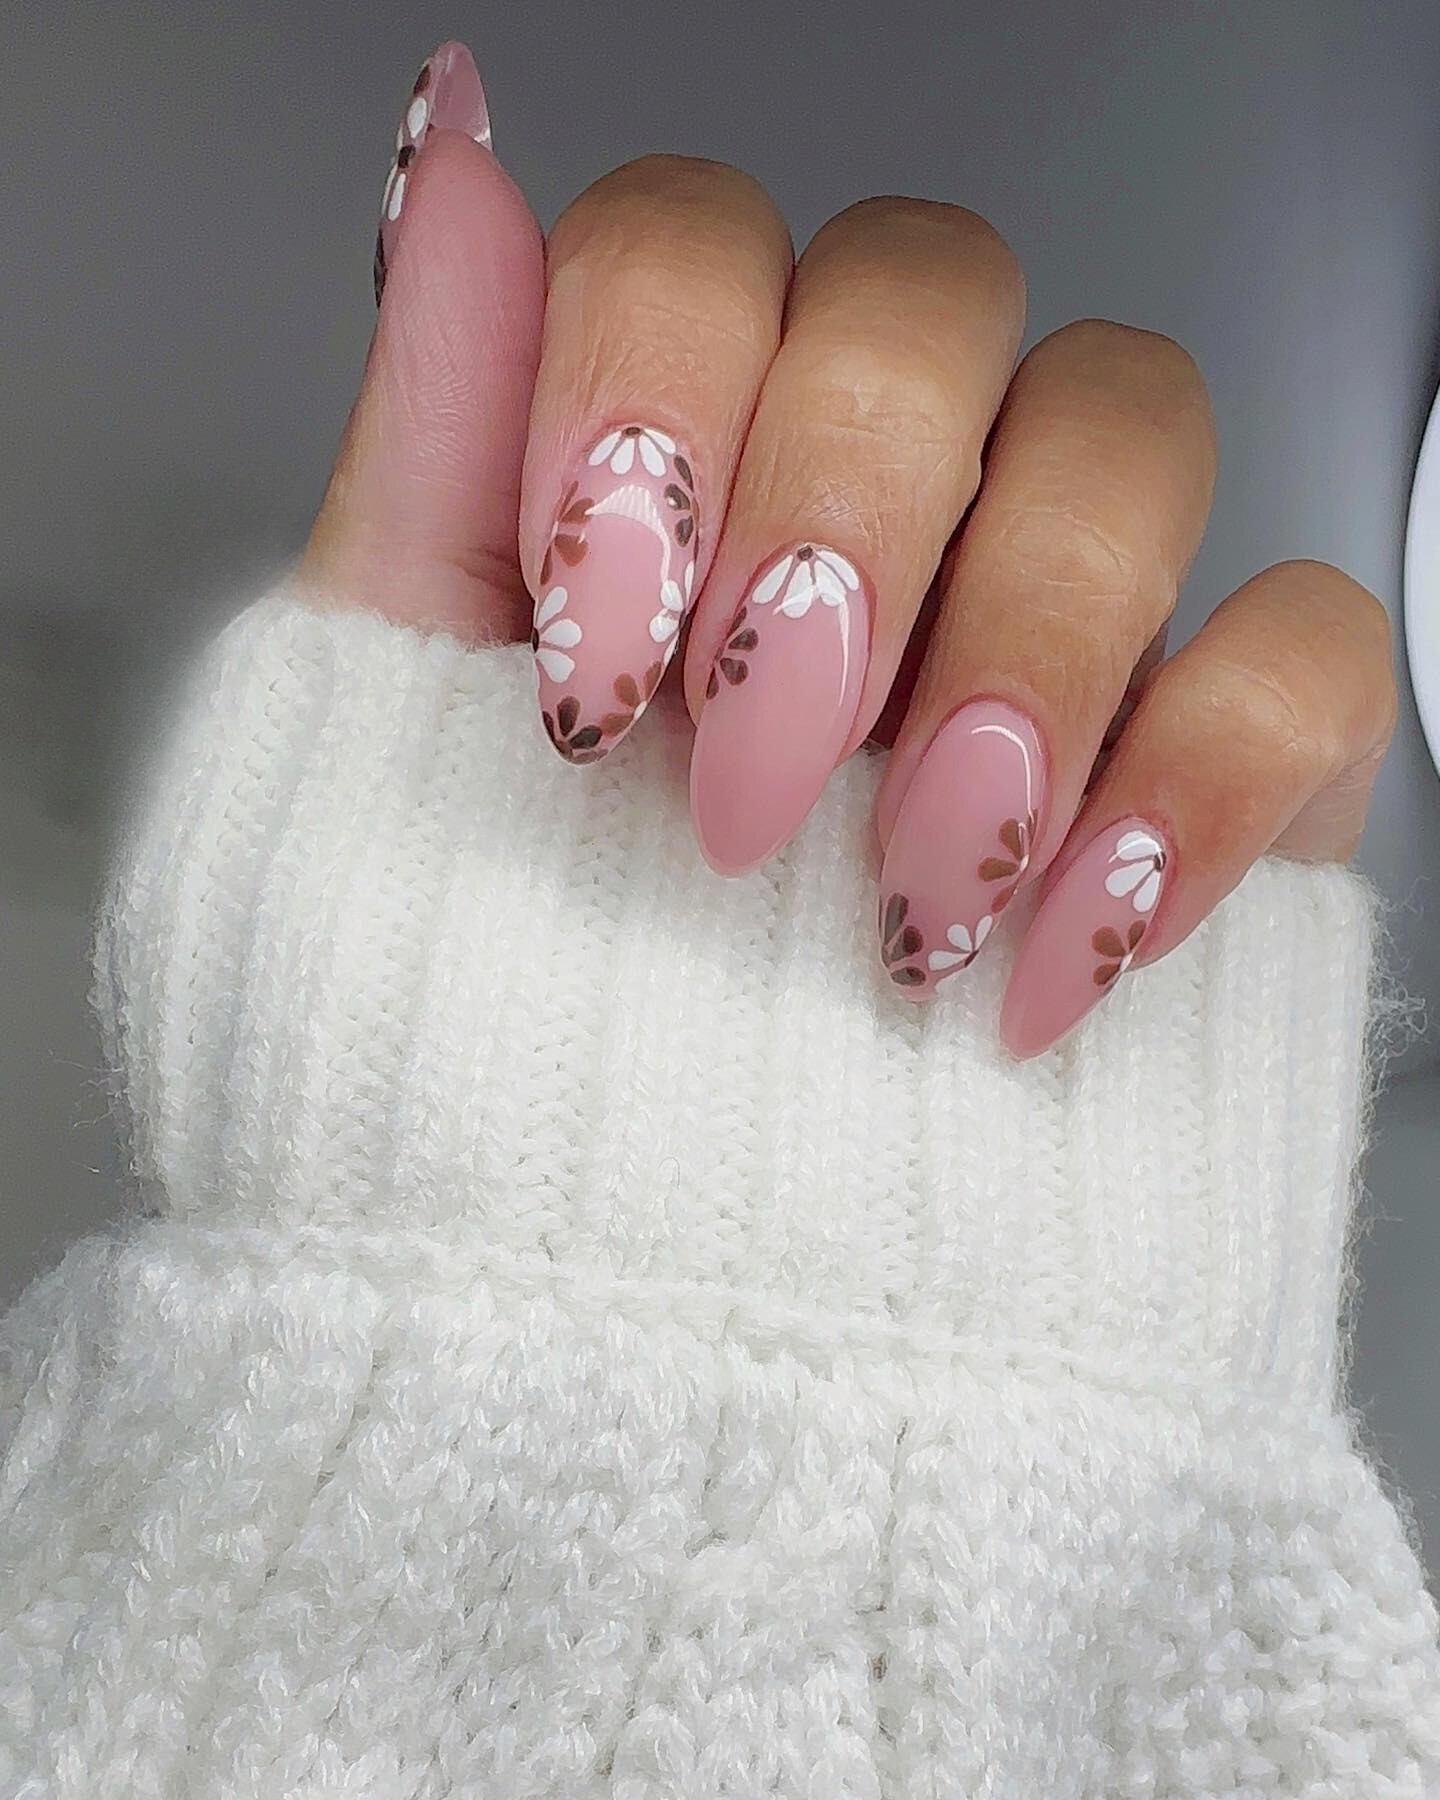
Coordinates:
[779,706]
[447,96]
[960,846]
[1085,935]
[616,583]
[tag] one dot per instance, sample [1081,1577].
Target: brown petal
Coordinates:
[577,513]
[910,941]
[1107,942]
[1106,973]
[567,714]
[547,563]
[1002,900]
[908,976]
[586,739]
[652,678]
[677,497]
[571,548]
[548,722]
[734,671]
[422,80]
[626,691]
[1009,835]
[682,469]
[896,908]
[744,640]
[684,530]
[587,756]
[995,868]
[712,686]
[404,156]
[1135,933]
[614,723]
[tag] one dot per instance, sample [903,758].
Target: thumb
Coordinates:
[419,519]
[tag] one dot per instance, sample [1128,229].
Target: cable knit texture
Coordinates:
[582,1335]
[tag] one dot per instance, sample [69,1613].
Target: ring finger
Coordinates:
[900,335]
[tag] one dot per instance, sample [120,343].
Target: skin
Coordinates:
[866,396]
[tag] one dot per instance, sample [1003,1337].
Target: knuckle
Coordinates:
[1070,554]
[1258,709]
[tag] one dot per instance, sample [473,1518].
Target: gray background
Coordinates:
[190,214]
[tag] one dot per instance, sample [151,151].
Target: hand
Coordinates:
[789,451]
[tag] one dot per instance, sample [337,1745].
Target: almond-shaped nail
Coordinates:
[780,703]
[616,582]
[1086,934]
[447,96]
[960,846]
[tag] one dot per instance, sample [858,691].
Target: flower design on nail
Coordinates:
[733,660]
[899,942]
[554,636]
[633,697]
[1017,837]
[577,743]
[620,448]
[805,575]
[568,541]
[965,946]
[680,497]
[1118,952]
[1142,859]
[674,603]
[414,128]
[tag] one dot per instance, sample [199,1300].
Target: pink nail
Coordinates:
[447,96]
[780,704]
[1085,935]
[615,586]
[960,846]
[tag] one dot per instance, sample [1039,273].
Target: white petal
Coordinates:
[1136,844]
[671,596]
[982,930]
[603,449]
[832,559]
[664,625]
[944,959]
[553,603]
[766,590]
[670,650]
[556,665]
[1147,893]
[385,197]
[400,137]
[649,455]
[689,577]
[661,441]
[799,592]
[397,197]
[1121,881]
[564,634]
[623,459]
[484,137]
[828,584]
[960,937]
[417,115]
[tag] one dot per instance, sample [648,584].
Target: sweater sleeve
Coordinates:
[578,1334]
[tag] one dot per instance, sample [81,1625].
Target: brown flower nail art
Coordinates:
[732,662]
[1118,951]
[899,942]
[577,743]
[1016,839]
[568,540]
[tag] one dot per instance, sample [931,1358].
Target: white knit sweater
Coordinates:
[582,1335]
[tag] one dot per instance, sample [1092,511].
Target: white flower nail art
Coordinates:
[1142,859]
[674,603]
[805,575]
[554,635]
[619,449]
[965,946]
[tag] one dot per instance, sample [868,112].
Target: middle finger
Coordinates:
[900,335]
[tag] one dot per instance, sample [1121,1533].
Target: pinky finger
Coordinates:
[1263,733]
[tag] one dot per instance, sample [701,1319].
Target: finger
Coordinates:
[667,281]
[900,335]
[1095,495]
[1265,731]
[418,521]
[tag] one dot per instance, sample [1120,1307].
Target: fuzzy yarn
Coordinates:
[579,1334]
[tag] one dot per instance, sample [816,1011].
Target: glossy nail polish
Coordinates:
[616,582]
[960,846]
[447,96]
[780,703]
[1086,934]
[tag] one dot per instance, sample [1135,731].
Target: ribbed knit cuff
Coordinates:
[378,961]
